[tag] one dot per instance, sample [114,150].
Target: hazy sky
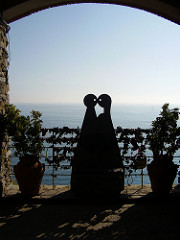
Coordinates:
[61,54]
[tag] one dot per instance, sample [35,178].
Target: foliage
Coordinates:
[7,120]
[25,131]
[164,137]
[64,141]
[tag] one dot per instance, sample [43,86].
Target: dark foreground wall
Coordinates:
[5,160]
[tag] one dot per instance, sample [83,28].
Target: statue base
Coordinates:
[104,184]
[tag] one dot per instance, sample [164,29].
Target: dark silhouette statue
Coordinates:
[97,163]
[107,146]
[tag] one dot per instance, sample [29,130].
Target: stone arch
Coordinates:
[16,9]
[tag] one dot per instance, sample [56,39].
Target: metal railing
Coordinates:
[52,171]
[60,144]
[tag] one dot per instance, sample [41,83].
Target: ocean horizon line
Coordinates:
[79,103]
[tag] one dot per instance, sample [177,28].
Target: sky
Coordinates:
[61,54]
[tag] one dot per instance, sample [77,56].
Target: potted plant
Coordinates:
[164,141]
[25,132]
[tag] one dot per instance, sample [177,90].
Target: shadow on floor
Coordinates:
[119,220]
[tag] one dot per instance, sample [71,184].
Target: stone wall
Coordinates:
[5,160]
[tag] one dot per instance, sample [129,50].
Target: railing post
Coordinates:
[53,169]
[142,178]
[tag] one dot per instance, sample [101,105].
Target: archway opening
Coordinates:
[60,55]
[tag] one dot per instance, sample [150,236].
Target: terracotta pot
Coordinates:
[162,174]
[29,173]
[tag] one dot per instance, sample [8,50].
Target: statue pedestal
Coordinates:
[103,184]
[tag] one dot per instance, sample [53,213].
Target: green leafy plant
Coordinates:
[25,131]
[164,137]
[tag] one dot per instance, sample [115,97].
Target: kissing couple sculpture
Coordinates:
[97,151]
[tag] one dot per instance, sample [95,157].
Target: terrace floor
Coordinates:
[57,214]
[62,192]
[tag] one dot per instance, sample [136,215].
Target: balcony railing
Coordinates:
[60,144]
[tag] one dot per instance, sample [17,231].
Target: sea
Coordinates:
[71,115]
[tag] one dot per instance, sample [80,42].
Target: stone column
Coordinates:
[5,159]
